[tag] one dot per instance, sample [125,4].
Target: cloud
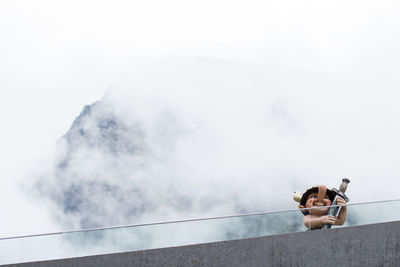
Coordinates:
[251,99]
[208,137]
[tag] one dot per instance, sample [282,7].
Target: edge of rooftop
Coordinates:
[363,245]
[189,220]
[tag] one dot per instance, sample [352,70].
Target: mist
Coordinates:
[219,108]
[207,138]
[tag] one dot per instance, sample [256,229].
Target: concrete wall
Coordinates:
[369,245]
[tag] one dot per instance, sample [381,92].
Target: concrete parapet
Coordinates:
[367,245]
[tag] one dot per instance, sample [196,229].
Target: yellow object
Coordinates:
[297,196]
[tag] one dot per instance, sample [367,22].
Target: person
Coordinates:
[319,197]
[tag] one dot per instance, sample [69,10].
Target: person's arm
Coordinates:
[341,218]
[313,221]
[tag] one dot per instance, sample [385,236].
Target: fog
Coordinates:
[238,104]
[205,138]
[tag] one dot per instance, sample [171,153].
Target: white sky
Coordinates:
[56,56]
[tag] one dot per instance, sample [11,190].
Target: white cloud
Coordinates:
[321,76]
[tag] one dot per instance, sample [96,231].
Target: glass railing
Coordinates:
[167,234]
[373,212]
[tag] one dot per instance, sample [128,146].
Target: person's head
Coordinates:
[317,197]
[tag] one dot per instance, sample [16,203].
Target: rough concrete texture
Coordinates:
[368,245]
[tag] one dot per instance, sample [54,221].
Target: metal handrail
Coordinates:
[190,220]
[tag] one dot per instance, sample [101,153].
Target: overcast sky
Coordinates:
[337,60]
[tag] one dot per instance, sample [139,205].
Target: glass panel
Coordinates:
[166,235]
[93,242]
[10,250]
[379,212]
[69,245]
[259,225]
[131,238]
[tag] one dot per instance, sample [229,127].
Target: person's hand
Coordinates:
[340,201]
[328,219]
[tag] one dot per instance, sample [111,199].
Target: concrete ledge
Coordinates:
[368,245]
